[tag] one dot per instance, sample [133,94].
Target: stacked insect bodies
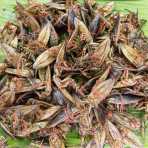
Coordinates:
[73,66]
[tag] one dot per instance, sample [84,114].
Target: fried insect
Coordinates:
[71,66]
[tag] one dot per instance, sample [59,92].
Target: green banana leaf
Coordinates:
[6,8]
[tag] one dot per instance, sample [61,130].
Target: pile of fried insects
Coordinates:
[73,66]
